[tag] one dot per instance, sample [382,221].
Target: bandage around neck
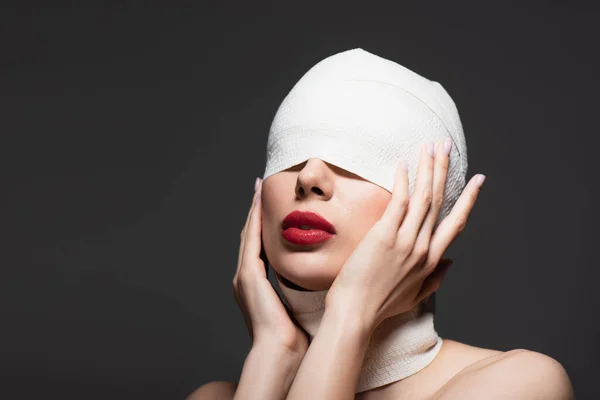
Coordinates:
[365,114]
[399,347]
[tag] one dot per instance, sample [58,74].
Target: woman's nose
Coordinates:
[315,179]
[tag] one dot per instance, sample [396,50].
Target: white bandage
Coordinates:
[365,114]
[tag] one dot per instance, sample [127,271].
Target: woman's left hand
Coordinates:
[394,266]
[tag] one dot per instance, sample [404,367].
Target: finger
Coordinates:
[420,200]
[263,256]
[440,173]
[396,209]
[253,242]
[244,311]
[252,205]
[455,222]
[243,234]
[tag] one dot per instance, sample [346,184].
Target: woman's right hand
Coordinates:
[266,317]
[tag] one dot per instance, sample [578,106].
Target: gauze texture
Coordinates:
[365,114]
[399,347]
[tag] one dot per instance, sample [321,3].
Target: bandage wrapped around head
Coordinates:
[365,114]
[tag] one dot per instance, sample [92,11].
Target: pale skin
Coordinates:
[374,230]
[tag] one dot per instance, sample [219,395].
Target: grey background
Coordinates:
[131,136]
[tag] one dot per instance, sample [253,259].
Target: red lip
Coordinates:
[320,231]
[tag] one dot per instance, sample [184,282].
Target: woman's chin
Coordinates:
[308,270]
[306,279]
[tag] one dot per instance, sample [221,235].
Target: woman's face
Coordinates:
[350,203]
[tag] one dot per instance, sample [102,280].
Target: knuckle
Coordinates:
[460,222]
[445,167]
[421,249]
[404,244]
[429,268]
[383,237]
[420,260]
[243,279]
[438,199]
[403,201]
[426,195]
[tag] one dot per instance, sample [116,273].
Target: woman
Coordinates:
[363,192]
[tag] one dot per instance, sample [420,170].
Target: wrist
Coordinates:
[268,372]
[355,315]
[280,350]
[354,323]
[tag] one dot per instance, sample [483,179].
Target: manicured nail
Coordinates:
[256,184]
[447,146]
[430,149]
[479,180]
[405,165]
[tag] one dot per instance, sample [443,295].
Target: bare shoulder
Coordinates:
[218,390]
[518,373]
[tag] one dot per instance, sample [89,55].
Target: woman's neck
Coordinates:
[292,285]
[399,347]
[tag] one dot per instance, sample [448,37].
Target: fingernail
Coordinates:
[430,149]
[405,165]
[447,146]
[256,184]
[479,180]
